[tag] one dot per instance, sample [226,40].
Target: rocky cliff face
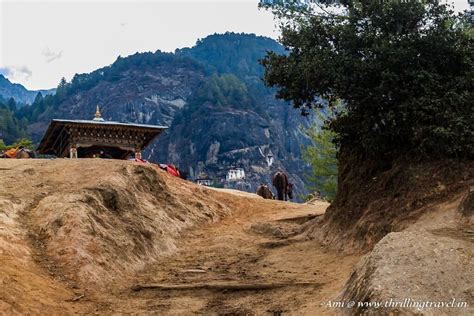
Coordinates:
[150,95]
[214,141]
[239,124]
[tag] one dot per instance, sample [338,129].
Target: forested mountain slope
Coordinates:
[211,96]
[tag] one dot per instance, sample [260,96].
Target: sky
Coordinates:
[43,41]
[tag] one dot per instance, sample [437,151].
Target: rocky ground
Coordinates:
[107,237]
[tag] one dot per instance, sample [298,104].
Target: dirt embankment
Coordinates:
[87,223]
[104,231]
[375,199]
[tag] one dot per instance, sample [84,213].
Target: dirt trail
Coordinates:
[256,245]
[67,228]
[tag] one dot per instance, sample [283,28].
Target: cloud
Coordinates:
[16,73]
[50,55]
[5,71]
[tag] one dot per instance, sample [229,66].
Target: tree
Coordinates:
[10,127]
[321,156]
[224,91]
[61,90]
[38,106]
[403,68]
[24,142]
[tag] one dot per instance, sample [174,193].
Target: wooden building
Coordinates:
[97,138]
[203,179]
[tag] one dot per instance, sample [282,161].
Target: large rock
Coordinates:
[413,273]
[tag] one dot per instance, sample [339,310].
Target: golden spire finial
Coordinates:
[98,116]
[97,112]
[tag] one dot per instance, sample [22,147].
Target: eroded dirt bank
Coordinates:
[112,236]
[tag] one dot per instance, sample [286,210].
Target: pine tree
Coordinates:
[321,156]
[61,91]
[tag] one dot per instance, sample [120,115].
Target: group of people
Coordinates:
[283,187]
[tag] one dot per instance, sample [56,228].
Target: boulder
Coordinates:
[413,273]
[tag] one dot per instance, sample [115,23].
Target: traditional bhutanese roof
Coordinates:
[106,123]
[57,127]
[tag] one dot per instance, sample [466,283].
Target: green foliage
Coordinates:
[322,158]
[23,142]
[223,91]
[11,128]
[218,91]
[404,69]
[62,89]
[321,155]
[237,54]
[232,53]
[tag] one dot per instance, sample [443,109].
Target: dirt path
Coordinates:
[235,253]
[255,247]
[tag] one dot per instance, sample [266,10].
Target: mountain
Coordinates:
[233,53]
[144,88]
[233,120]
[19,92]
[219,113]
